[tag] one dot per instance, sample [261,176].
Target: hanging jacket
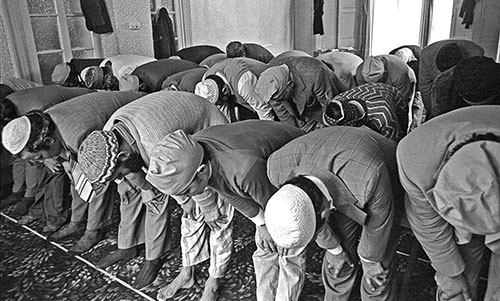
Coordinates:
[163,35]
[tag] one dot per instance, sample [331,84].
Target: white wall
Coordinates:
[217,22]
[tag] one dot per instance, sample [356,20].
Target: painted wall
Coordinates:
[217,22]
[6,60]
[123,39]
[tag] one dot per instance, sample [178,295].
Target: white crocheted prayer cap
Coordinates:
[207,89]
[290,217]
[16,134]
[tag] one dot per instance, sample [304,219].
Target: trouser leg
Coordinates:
[473,254]
[31,178]
[266,268]
[100,209]
[279,278]
[292,270]
[221,241]
[131,231]
[56,198]
[493,289]
[348,231]
[19,175]
[79,208]
[157,227]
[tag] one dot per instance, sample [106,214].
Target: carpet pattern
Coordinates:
[31,268]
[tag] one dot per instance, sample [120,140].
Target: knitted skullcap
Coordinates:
[15,134]
[467,188]
[60,73]
[98,156]
[373,69]
[207,89]
[448,56]
[174,162]
[93,77]
[339,112]
[290,217]
[477,78]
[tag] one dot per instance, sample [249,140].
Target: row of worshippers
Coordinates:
[132,138]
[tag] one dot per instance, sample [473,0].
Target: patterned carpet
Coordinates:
[31,268]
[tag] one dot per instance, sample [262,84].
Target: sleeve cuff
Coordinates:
[335,251]
[180,200]
[365,260]
[259,218]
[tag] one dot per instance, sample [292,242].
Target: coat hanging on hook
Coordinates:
[163,35]
[96,16]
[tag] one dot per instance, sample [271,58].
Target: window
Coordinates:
[395,23]
[405,22]
[57,33]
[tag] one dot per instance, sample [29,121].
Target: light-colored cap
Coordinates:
[373,69]
[467,188]
[15,134]
[290,217]
[405,54]
[93,77]
[174,162]
[129,82]
[60,73]
[207,89]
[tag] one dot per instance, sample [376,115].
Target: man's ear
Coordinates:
[49,140]
[122,156]
[204,169]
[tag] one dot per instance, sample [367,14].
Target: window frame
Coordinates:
[26,63]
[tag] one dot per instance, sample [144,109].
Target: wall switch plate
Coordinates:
[134,25]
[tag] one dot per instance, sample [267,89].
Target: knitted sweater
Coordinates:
[18,84]
[43,97]
[79,116]
[150,118]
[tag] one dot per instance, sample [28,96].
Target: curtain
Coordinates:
[364,27]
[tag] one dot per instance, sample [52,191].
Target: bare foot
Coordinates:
[210,292]
[185,279]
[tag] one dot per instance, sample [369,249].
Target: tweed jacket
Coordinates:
[355,164]
[238,153]
[420,155]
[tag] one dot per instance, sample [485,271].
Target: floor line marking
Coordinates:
[113,277]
